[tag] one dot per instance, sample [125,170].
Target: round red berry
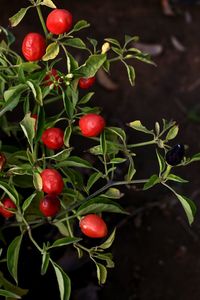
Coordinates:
[86,83]
[2,161]
[52,182]
[51,77]
[53,138]
[4,210]
[59,21]
[33,46]
[93,226]
[49,206]
[91,125]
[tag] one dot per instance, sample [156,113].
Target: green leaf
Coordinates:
[12,97]
[103,143]
[118,160]
[92,65]
[67,136]
[100,204]
[52,51]
[94,43]
[137,125]
[45,263]
[75,161]
[118,131]
[112,193]
[11,287]
[36,90]
[189,207]
[75,43]
[92,179]
[86,98]
[131,169]
[161,162]
[16,19]
[129,39]
[62,228]
[131,74]
[28,127]
[48,3]
[29,67]
[153,180]
[37,181]
[63,282]
[108,243]
[194,158]
[80,25]
[27,202]
[101,273]
[113,41]
[10,191]
[62,155]
[172,133]
[9,294]
[13,256]
[176,178]
[64,242]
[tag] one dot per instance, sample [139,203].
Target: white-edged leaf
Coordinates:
[176,178]
[64,282]
[13,256]
[137,125]
[16,19]
[52,51]
[48,3]
[108,243]
[28,127]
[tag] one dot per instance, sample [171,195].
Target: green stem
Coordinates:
[53,99]
[42,20]
[31,237]
[141,144]
[101,190]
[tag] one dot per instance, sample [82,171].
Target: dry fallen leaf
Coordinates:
[105,81]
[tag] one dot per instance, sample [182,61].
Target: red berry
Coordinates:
[33,46]
[86,83]
[52,182]
[51,77]
[59,21]
[91,125]
[4,210]
[49,206]
[53,138]
[93,226]
[2,160]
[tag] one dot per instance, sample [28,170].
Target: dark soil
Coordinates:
[157,254]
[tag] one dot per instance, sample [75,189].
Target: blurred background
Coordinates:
[157,254]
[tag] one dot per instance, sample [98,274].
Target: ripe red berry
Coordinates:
[4,210]
[59,21]
[91,125]
[86,83]
[2,160]
[93,226]
[49,206]
[53,138]
[52,182]
[51,77]
[33,46]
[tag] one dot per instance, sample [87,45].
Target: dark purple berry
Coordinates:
[175,155]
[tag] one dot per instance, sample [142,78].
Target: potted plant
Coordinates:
[45,179]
